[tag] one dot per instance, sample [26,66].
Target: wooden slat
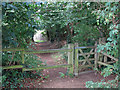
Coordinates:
[105,64]
[110,62]
[109,56]
[96,55]
[12,67]
[85,66]
[85,47]
[47,67]
[48,51]
[91,59]
[86,54]
[105,58]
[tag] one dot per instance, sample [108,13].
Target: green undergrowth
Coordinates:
[106,72]
[16,78]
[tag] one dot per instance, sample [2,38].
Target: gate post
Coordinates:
[76,61]
[96,55]
[70,58]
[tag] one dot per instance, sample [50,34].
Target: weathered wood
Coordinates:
[85,47]
[96,55]
[86,54]
[100,57]
[109,56]
[105,58]
[86,57]
[12,67]
[91,59]
[110,62]
[13,49]
[85,66]
[76,61]
[48,51]
[105,64]
[47,67]
[70,58]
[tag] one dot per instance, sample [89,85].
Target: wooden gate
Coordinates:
[84,57]
[69,64]
[78,58]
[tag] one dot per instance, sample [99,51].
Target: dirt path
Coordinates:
[55,81]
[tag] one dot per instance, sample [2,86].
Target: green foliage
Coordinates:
[106,72]
[107,18]
[32,61]
[11,58]
[86,34]
[67,20]
[14,78]
[18,24]
[62,75]
[102,84]
[111,69]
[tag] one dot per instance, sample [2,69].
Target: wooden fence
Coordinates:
[77,58]
[91,58]
[69,65]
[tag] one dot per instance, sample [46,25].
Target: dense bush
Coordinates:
[13,78]
[107,17]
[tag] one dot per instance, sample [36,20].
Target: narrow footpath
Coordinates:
[54,80]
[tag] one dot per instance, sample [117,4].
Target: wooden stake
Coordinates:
[70,58]
[76,60]
[96,55]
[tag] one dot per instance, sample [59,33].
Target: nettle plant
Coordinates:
[107,16]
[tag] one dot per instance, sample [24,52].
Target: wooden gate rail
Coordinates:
[13,67]
[70,50]
[105,54]
[48,51]
[105,63]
